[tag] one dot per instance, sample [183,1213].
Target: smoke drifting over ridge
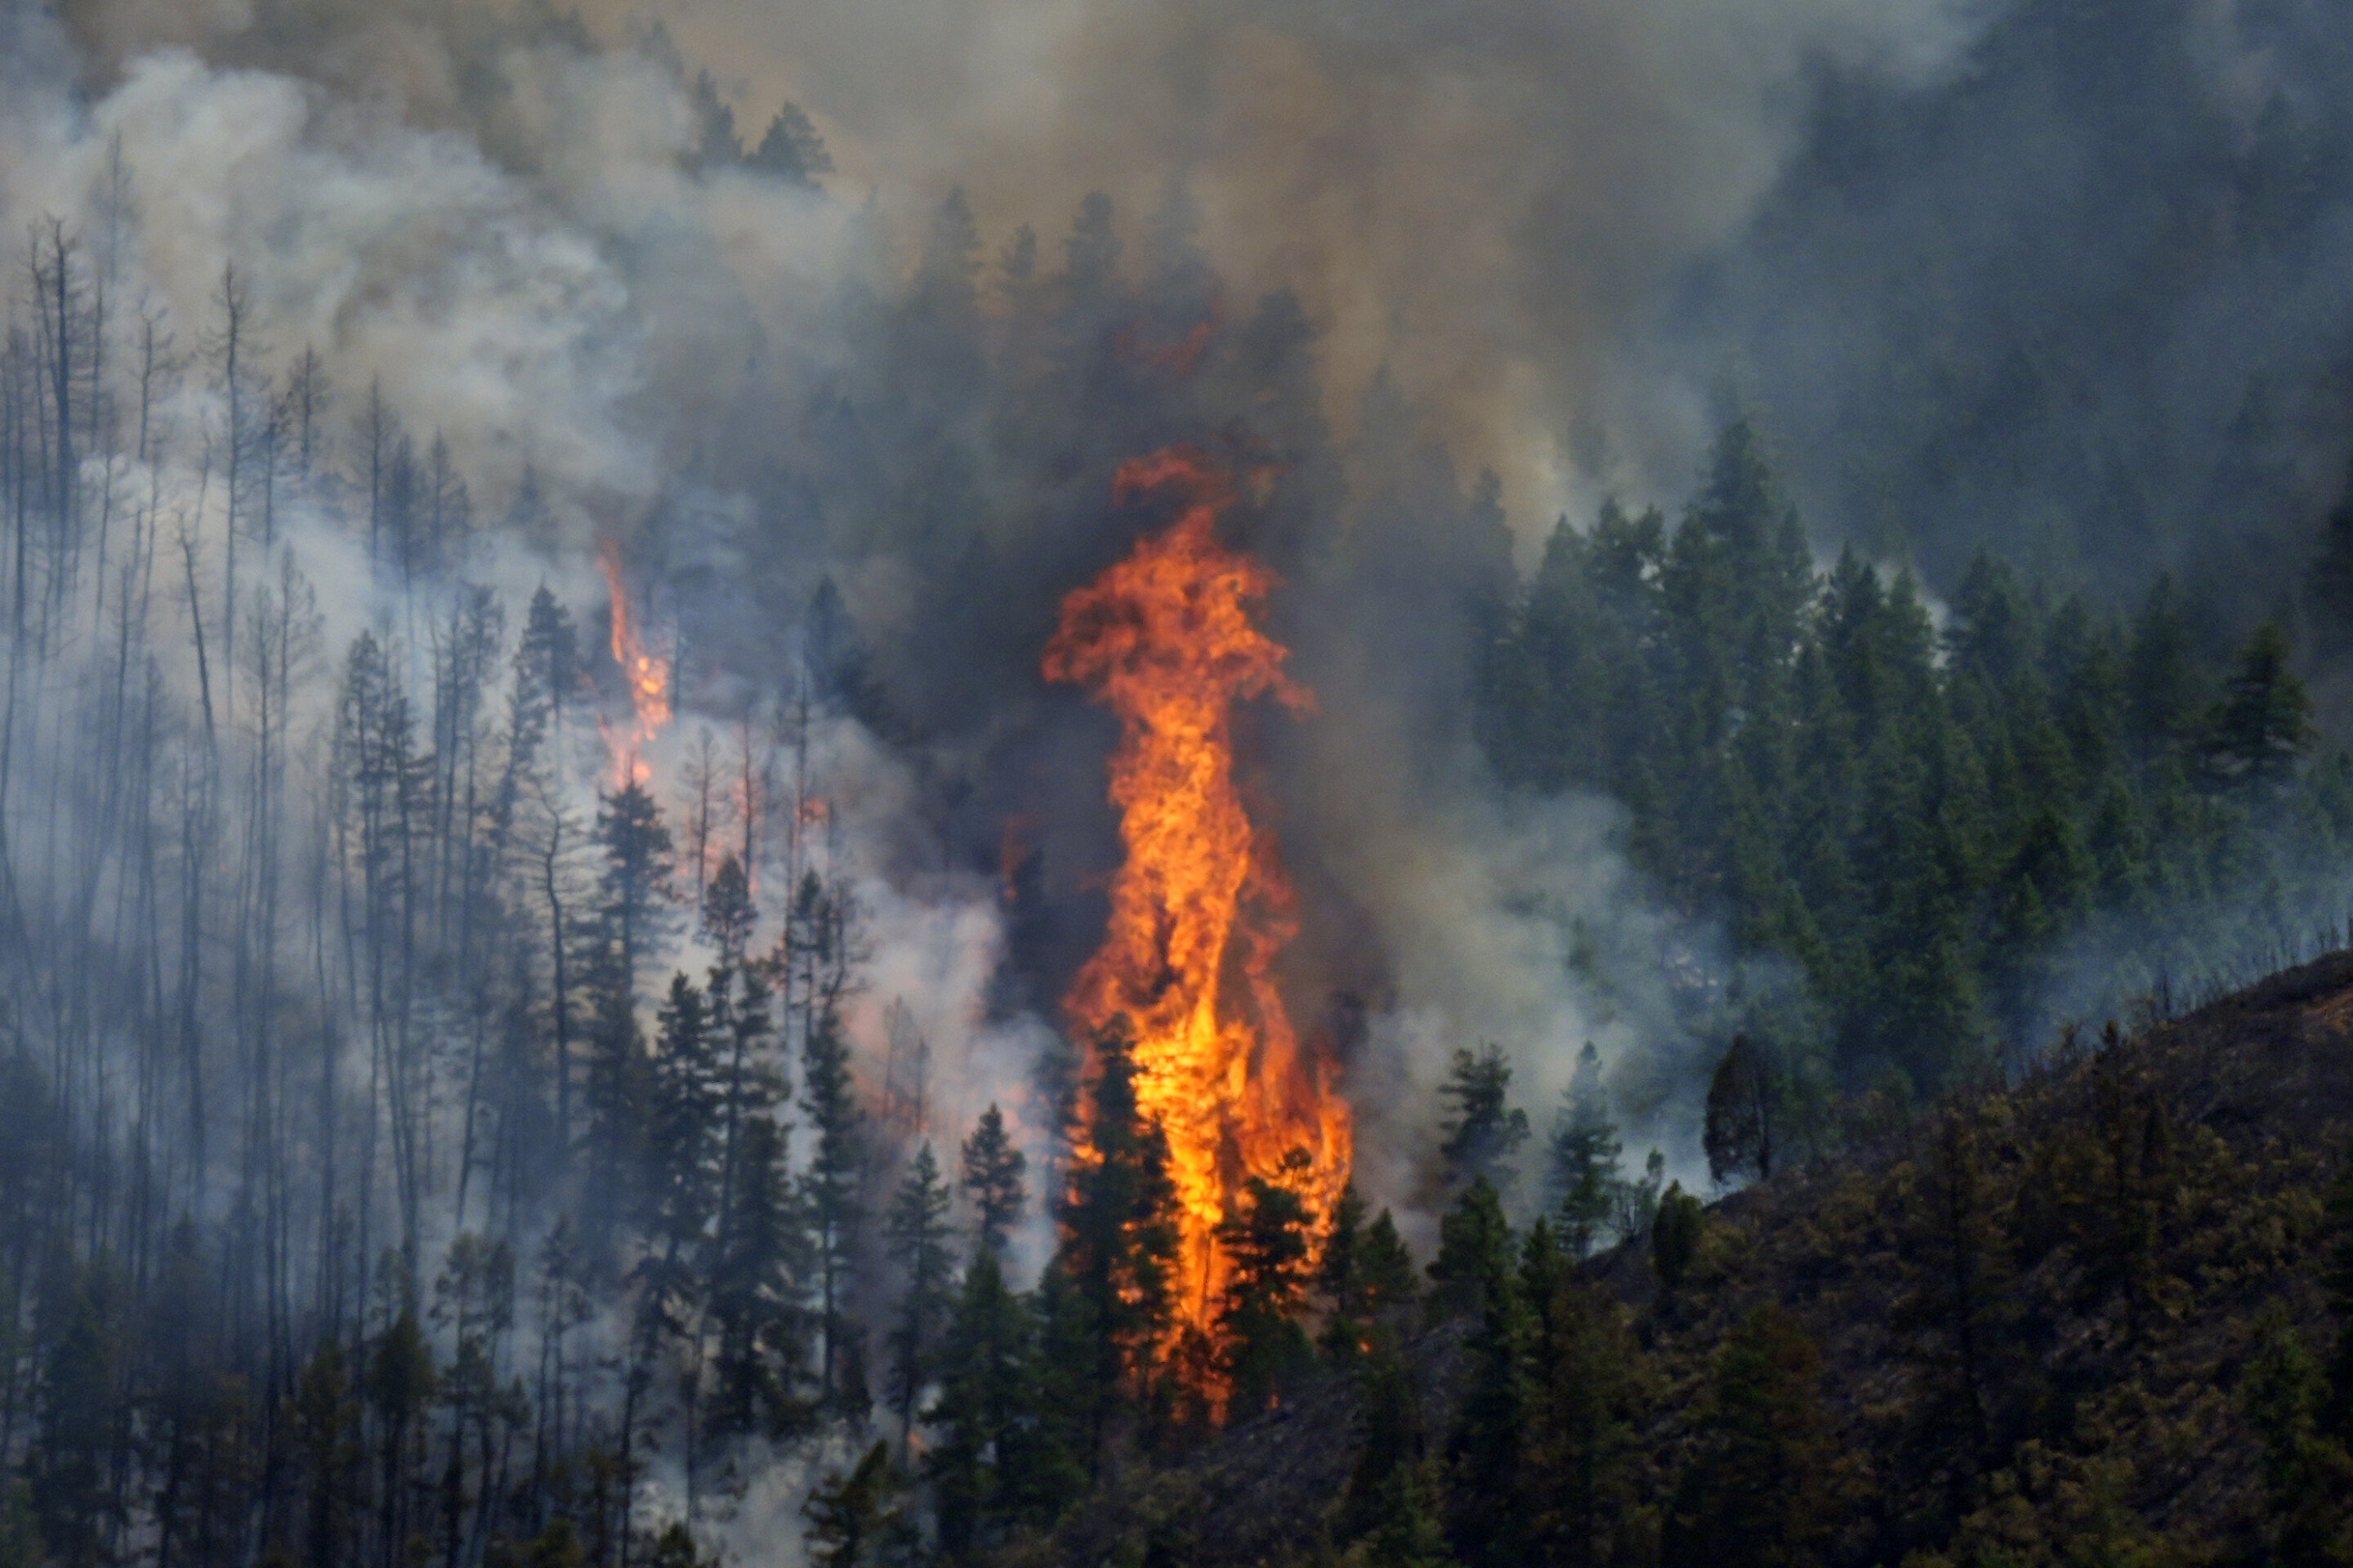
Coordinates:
[523,243]
[1493,200]
[1544,241]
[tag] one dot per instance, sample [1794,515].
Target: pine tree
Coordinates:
[992,1179]
[916,1233]
[1585,1154]
[1391,1500]
[1741,1113]
[792,150]
[1676,1234]
[1583,1374]
[81,1383]
[1961,1292]
[758,1294]
[1267,1246]
[855,1517]
[1120,1245]
[1487,1511]
[1767,1485]
[2261,726]
[632,889]
[831,1188]
[1474,1251]
[682,1124]
[995,1462]
[324,1418]
[1482,1131]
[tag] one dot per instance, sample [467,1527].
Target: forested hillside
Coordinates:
[1959,825]
[601,965]
[2101,1313]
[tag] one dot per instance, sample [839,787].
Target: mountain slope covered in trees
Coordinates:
[2101,1313]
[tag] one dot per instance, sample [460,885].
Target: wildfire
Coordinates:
[647,672]
[1200,907]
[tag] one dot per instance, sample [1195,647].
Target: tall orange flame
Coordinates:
[1200,907]
[645,670]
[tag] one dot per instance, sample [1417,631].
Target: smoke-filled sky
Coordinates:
[1491,198]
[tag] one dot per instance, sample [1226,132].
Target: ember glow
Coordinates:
[646,671]
[1200,907]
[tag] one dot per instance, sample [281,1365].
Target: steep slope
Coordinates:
[2054,1321]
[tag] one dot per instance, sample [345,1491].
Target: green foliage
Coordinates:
[1742,1109]
[792,150]
[1674,1235]
[758,1293]
[854,1516]
[1766,1484]
[1474,1251]
[1119,1253]
[830,1191]
[2263,724]
[2337,1279]
[1935,838]
[1585,1154]
[2308,1474]
[1364,1272]
[993,1179]
[1581,1441]
[1487,1520]
[1267,1242]
[1482,1131]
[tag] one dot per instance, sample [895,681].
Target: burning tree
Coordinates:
[1200,907]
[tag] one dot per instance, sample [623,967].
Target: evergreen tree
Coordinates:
[1482,1131]
[82,1354]
[633,886]
[1585,1154]
[2308,1474]
[1584,1372]
[992,1179]
[1267,1246]
[792,150]
[855,1517]
[1741,1112]
[1766,1484]
[1474,1251]
[2163,689]
[758,1294]
[1487,1501]
[2261,726]
[683,1124]
[1119,1252]
[916,1233]
[1391,1500]
[1674,1235]
[1960,1292]
[323,1416]
[996,1462]
[831,1188]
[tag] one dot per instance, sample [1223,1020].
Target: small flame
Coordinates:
[1178,359]
[1200,907]
[647,672]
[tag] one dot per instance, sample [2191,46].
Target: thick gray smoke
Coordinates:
[1548,241]
[367,306]
[1492,199]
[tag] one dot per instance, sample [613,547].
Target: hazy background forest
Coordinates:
[538,867]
